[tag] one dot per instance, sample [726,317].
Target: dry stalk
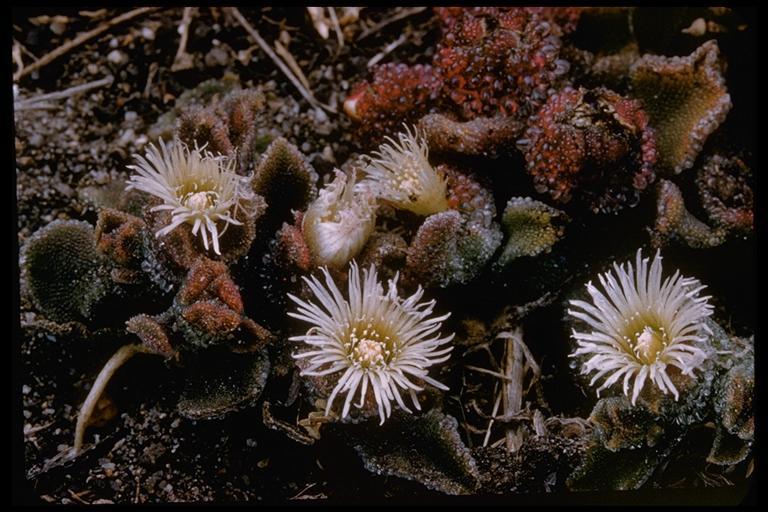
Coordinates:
[119,358]
[512,391]
[336,26]
[82,38]
[283,52]
[183,60]
[516,365]
[35,102]
[386,51]
[383,23]
[278,62]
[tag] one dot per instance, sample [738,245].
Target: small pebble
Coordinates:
[59,25]
[117,57]
[92,68]
[697,29]
[127,136]
[148,34]
[25,389]
[324,129]
[131,116]
[328,154]
[35,140]
[217,56]
[320,115]
[64,189]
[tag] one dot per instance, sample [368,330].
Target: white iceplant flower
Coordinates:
[338,223]
[641,325]
[374,339]
[401,173]
[199,188]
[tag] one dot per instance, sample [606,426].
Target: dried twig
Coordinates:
[386,51]
[77,496]
[512,391]
[485,346]
[150,75]
[488,372]
[288,58]
[383,23]
[25,50]
[244,56]
[517,363]
[493,415]
[336,26]
[498,443]
[472,430]
[280,64]
[16,55]
[293,432]
[517,337]
[82,38]
[120,357]
[523,415]
[305,489]
[100,13]
[318,20]
[30,430]
[39,101]
[538,423]
[183,60]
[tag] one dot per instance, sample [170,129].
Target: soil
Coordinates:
[72,157]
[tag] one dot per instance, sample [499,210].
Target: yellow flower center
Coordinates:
[645,336]
[369,345]
[408,180]
[649,343]
[198,197]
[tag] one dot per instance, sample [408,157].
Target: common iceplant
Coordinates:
[641,326]
[199,188]
[373,339]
